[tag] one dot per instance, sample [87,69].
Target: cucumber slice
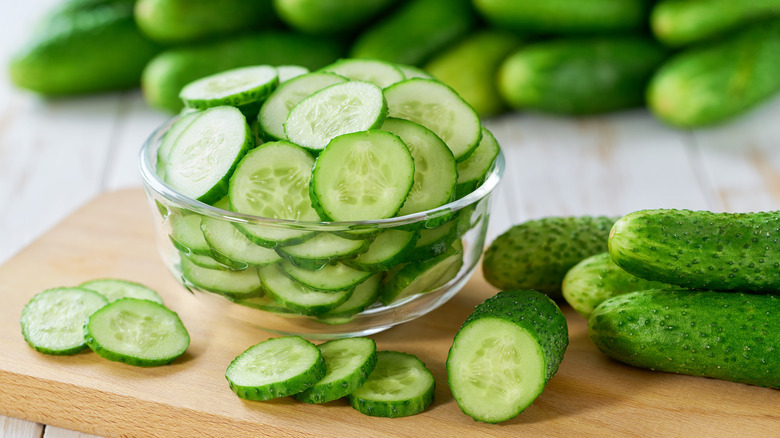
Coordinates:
[204,156]
[277,107]
[362,176]
[388,248]
[237,87]
[272,181]
[170,138]
[435,171]
[434,241]
[287,72]
[400,385]
[186,234]
[297,297]
[505,353]
[349,363]
[439,108]
[278,367]
[114,289]
[321,250]
[136,332]
[265,303]
[336,110]
[364,295]
[375,71]
[236,284]
[207,262]
[53,320]
[411,71]
[416,278]
[472,171]
[230,246]
[333,277]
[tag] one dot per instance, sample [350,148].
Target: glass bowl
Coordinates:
[450,238]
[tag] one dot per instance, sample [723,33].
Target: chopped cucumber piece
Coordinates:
[298,297]
[400,385]
[472,171]
[349,363]
[237,284]
[278,367]
[321,250]
[336,110]
[237,87]
[333,277]
[53,320]
[375,71]
[114,289]
[364,295]
[438,108]
[136,332]
[426,276]
[362,176]
[388,248]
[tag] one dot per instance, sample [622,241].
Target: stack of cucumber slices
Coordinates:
[355,141]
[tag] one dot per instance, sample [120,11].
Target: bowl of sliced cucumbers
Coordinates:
[332,203]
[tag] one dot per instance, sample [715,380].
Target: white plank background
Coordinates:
[56,155]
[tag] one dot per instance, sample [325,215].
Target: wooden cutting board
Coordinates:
[113,237]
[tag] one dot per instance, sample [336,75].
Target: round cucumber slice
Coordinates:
[364,295]
[322,249]
[400,385]
[231,247]
[136,332]
[473,170]
[439,108]
[411,71]
[362,176]
[236,87]
[114,289]
[278,367]
[375,71]
[336,110]
[297,297]
[170,138]
[388,248]
[333,277]
[349,363]
[287,72]
[426,276]
[53,320]
[236,284]
[186,234]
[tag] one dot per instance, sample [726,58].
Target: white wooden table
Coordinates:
[56,155]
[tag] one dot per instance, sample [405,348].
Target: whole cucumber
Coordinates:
[536,254]
[329,17]
[167,73]
[183,21]
[565,16]
[700,249]
[416,31]
[678,23]
[470,68]
[83,50]
[717,81]
[580,76]
[729,336]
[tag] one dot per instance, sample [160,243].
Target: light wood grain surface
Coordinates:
[57,155]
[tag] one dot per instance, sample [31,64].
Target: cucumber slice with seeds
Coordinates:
[186,234]
[53,320]
[400,385]
[136,332]
[278,367]
[375,71]
[237,284]
[362,176]
[336,110]
[426,276]
[472,171]
[333,277]
[170,138]
[439,108]
[237,87]
[114,289]
[388,248]
[297,297]
[349,362]
[321,250]
[364,295]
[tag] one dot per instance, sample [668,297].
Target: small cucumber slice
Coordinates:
[333,277]
[204,156]
[278,367]
[435,171]
[287,72]
[53,320]
[426,276]
[364,295]
[321,250]
[114,289]
[400,385]
[231,247]
[349,363]
[388,248]
[375,71]
[236,284]
[277,107]
[472,171]
[207,262]
[265,303]
[297,297]
[362,176]
[186,234]
[170,138]
[236,87]
[434,241]
[136,332]
[336,110]
[439,108]
[411,71]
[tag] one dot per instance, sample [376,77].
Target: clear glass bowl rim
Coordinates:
[152,180]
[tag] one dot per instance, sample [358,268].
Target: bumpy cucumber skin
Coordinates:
[328,17]
[565,16]
[714,82]
[537,254]
[729,336]
[83,51]
[700,249]
[580,76]
[340,388]
[166,74]
[534,312]
[184,21]
[678,23]
[416,31]
[597,278]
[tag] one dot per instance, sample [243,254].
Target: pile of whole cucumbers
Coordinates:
[691,62]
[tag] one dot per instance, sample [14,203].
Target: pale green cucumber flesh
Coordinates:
[169,139]
[415,278]
[333,277]
[297,297]
[473,171]
[378,72]
[227,244]
[388,248]
[234,87]
[114,289]
[364,295]
[321,250]
[186,234]
[243,283]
